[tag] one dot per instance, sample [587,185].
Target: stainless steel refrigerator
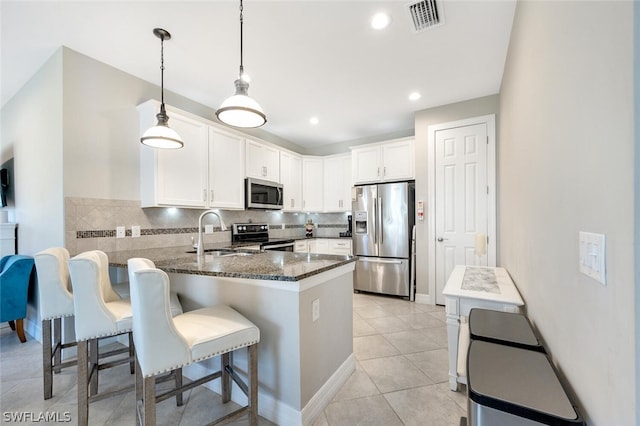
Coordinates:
[383,219]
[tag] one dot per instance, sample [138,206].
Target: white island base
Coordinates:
[302,362]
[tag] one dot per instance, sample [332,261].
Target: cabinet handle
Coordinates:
[293,203]
[378,171]
[384,171]
[211,199]
[264,170]
[204,195]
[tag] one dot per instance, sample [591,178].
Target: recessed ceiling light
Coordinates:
[414,96]
[314,120]
[380,20]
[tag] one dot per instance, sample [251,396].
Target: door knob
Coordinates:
[442,239]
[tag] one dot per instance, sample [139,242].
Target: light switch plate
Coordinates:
[208,229]
[592,259]
[135,231]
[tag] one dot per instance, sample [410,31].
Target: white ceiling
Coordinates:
[305,58]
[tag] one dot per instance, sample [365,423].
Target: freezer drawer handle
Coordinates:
[366,259]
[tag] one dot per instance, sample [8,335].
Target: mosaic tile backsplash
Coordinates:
[91,223]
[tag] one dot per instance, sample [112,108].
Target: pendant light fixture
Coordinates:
[240,110]
[161,135]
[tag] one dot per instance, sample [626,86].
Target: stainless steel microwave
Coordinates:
[263,194]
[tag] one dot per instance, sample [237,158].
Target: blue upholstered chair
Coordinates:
[15,276]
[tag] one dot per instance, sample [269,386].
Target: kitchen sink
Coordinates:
[222,252]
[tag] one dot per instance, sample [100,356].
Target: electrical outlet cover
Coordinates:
[120,233]
[208,229]
[135,231]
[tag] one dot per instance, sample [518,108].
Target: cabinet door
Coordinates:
[262,161]
[337,183]
[366,164]
[226,175]
[181,174]
[301,246]
[340,247]
[398,160]
[312,184]
[319,246]
[291,180]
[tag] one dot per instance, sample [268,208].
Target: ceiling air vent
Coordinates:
[425,14]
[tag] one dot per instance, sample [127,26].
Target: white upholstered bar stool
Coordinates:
[99,312]
[56,302]
[164,343]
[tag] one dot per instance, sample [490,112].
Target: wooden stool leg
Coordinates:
[47,370]
[225,360]
[178,383]
[253,384]
[132,354]
[83,379]
[20,330]
[93,366]
[57,340]
[149,400]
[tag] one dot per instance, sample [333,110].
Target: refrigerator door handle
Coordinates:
[380,221]
[378,260]
[375,225]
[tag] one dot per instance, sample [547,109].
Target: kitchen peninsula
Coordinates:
[302,304]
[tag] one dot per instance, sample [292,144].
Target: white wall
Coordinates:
[425,118]
[566,165]
[32,133]
[636,74]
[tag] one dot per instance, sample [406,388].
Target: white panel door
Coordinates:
[461,197]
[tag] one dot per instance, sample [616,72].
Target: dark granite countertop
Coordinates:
[250,264]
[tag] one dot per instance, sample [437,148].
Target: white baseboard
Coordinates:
[325,394]
[277,411]
[425,299]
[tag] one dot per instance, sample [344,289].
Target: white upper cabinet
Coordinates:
[291,180]
[312,184]
[173,177]
[207,172]
[226,174]
[384,162]
[262,161]
[337,183]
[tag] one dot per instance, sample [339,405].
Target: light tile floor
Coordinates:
[400,378]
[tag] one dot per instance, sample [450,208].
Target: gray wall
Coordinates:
[32,135]
[425,118]
[566,165]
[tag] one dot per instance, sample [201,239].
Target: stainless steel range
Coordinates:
[259,233]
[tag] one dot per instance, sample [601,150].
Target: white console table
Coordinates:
[7,239]
[473,287]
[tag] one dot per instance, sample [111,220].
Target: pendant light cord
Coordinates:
[162,70]
[241,20]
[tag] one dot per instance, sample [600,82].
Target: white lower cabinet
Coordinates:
[301,246]
[324,246]
[319,246]
[340,247]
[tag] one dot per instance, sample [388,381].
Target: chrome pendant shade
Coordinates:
[240,110]
[161,135]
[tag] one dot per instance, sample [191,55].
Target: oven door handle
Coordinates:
[275,246]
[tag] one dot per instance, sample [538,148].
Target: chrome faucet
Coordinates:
[200,249]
